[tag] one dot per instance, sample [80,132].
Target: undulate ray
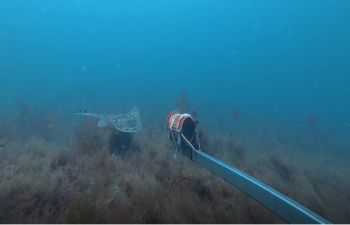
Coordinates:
[130,122]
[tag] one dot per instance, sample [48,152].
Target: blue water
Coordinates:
[278,60]
[279,65]
[259,56]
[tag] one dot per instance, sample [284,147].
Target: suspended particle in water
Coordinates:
[312,119]
[234,113]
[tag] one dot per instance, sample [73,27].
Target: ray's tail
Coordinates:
[88,114]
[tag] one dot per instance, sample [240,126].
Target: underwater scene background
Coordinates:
[268,81]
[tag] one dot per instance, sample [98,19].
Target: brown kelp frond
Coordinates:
[24,111]
[87,137]
[5,134]
[182,102]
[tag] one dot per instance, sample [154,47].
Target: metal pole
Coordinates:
[284,207]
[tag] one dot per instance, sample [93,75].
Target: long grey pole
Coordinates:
[284,207]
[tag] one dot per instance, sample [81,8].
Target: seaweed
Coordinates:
[86,138]
[87,179]
[182,102]
[45,124]
[24,111]
[120,142]
[235,153]
[5,135]
[205,140]
[203,192]
[82,212]
[281,169]
[59,161]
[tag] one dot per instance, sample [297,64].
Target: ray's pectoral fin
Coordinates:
[135,115]
[135,119]
[102,123]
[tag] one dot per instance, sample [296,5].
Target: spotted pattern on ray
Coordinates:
[129,123]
